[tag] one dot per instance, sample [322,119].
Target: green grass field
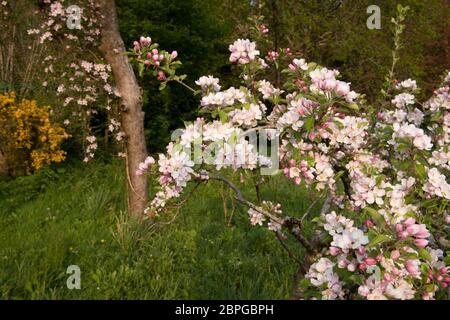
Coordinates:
[76,216]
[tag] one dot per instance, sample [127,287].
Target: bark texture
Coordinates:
[3,164]
[132,116]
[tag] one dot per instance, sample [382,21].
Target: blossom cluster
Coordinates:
[154,60]
[243,51]
[385,171]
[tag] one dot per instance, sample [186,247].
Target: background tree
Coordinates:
[197,31]
[334,33]
[132,115]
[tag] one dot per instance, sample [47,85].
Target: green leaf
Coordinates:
[424,254]
[309,123]
[379,179]
[429,203]
[429,287]
[354,106]
[378,239]
[141,69]
[436,116]
[424,268]
[376,216]
[339,175]
[305,283]
[223,116]
[420,169]
[447,258]
[357,279]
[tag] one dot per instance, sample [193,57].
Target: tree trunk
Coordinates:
[3,164]
[132,116]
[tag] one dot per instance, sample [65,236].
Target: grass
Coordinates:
[76,216]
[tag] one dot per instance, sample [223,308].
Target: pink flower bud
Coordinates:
[371,261]
[298,180]
[404,234]
[369,223]
[364,291]
[418,230]
[300,111]
[444,284]
[443,270]
[149,54]
[395,271]
[421,243]
[174,54]
[145,41]
[395,254]
[362,266]
[161,76]
[147,62]
[351,267]
[447,279]
[399,228]
[163,180]
[362,250]
[292,67]
[155,51]
[156,63]
[155,57]
[161,57]
[409,222]
[412,268]
[334,251]
[439,278]
[387,277]
[292,162]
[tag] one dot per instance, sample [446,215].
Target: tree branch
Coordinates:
[292,224]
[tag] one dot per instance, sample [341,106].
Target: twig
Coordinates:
[309,209]
[242,200]
[185,85]
[326,204]
[292,224]
[288,250]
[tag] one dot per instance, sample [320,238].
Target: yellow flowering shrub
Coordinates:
[27,137]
